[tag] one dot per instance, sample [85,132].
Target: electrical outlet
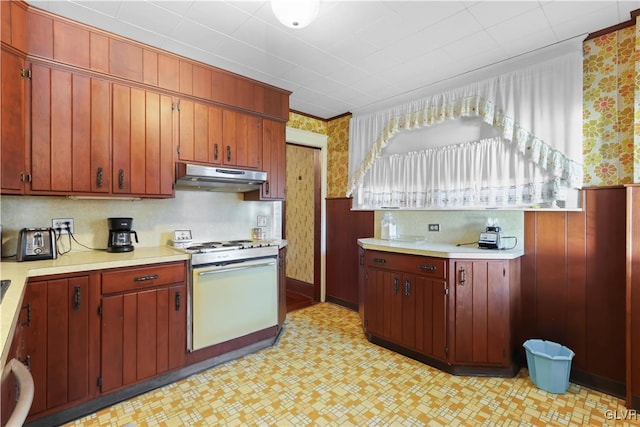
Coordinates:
[60,225]
[434,227]
[262,220]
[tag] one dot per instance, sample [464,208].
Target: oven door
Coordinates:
[233,300]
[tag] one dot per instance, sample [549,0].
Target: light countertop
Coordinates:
[20,272]
[438,250]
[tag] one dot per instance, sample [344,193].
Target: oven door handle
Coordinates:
[225,270]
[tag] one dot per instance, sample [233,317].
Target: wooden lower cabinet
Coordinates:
[459,315]
[58,346]
[482,323]
[406,309]
[144,324]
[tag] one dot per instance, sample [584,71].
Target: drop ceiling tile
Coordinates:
[253,58]
[451,29]
[176,6]
[520,26]
[223,16]
[490,13]
[108,8]
[148,16]
[195,34]
[471,46]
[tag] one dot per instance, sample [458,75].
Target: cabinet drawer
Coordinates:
[143,277]
[414,264]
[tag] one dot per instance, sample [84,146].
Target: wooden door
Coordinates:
[12,124]
[176,328]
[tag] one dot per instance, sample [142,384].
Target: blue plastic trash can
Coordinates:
[549,365]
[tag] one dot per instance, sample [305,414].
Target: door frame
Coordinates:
[316,140]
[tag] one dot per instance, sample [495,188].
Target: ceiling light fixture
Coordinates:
[295,13]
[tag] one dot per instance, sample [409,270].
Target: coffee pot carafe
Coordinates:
[120,235]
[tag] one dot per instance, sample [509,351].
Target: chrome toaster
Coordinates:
[36,244]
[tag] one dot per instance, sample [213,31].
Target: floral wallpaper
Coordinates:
[338,157]
[310,124]
[611,152]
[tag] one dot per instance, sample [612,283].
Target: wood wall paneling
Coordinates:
[573,285]
[633,297]
[605,320]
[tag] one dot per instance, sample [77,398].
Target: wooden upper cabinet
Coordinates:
[14,24]
[12,127]
[200,134]
[71,44]
[186,78]
[242,139]
[201,82]
[99,52]
[273,162]
[69,132]
[142,149]
[125,60]
[168,72]
[40,35]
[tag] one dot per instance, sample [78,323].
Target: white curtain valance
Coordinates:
[538,110]
[491,172]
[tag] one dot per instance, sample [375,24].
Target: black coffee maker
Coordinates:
[120,234]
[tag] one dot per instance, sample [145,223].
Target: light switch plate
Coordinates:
[262,220]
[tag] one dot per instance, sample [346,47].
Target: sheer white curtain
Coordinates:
[490,173]
[538,114]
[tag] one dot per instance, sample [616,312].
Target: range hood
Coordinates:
[217,178]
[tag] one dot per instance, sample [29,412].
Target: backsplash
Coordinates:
[209,215]
[455,226]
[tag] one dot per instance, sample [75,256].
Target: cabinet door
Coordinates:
[384,292]
[200,134]
[142,142]
[143,334]
[481,313]
[431,316]
[69,132]
[273,155]
[57,344]
[242,136]
[12,126]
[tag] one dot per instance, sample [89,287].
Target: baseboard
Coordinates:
[343,303]
[300,287]
[597,382]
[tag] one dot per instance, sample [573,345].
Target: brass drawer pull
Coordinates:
[145,278]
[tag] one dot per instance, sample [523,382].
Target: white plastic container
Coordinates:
[388,227]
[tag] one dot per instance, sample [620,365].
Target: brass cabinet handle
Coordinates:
[407,288]
[215,151]
[379,260]
[228,153]
[99,178]
[395,285]
[428,267]
[121,179]
[267,187]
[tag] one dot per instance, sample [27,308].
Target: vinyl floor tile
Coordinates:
[323,372]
